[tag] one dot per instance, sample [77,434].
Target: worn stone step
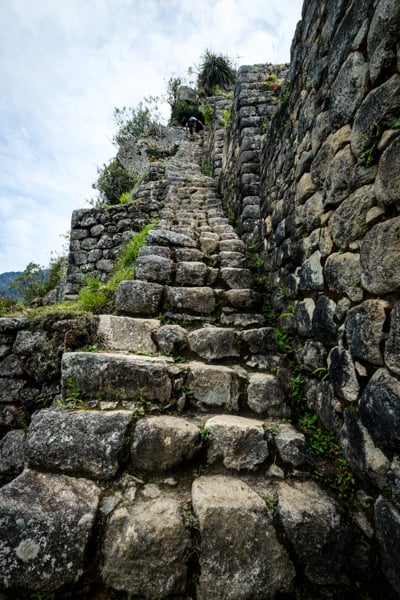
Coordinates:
[240,556]
[125,379]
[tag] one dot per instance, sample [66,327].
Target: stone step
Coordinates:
[124,380]
[209,343]
[142,298]
[98,444]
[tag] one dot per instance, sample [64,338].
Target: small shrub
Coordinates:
[113,181]
[124,198]
[208,112]
[215,70]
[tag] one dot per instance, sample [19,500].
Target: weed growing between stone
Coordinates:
[72,400]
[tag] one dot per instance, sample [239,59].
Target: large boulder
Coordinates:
[161,443]
[240,557]
[145,548]
[75,441]
[45,525]
[314,524]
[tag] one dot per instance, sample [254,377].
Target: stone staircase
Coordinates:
[168,468]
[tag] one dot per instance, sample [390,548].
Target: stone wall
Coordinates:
[98,234]
[329,232]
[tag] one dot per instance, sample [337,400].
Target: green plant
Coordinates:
[208,112]
[124,198]
[362,225]
[134,122]
[114,180]
[321,373]
[94,296]
[215,70]
[226,117]
[283,341]
[206,166]
[297,395]
[72,400]
[205,434]
[264,127]
[370,155]
[272,504]
[36,281]
[43,595]
[395,123]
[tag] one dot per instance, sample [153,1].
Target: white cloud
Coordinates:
[65,64]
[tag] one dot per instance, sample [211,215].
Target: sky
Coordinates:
[66,64]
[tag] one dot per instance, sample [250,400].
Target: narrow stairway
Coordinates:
[184,442]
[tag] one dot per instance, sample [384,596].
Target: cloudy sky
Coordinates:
[65,65]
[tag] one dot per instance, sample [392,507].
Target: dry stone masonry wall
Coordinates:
[329,232]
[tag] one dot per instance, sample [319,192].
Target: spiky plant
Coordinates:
[215,70]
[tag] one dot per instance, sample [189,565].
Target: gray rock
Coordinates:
[387,523]
[86,442]
[191,273]
[244,300]
[171,339]
[311,274]
[348,222]
[145,547]
[259,341]
[116,376]
[138,298]
[392,347]
[265,396]
[304,313]
[213,386]
[12,452]
[343,274]
[45,524]
[328,407]
[313,356]
[393,481]
[382,38]
[380,410]
[379,258]
[366,461]
[292,447]
[348,90]
[199,300]
[164,442]
[364,329]
[212,343]
[236,441]
[313,523]
[164,237]
[127,333]
[324,325]
[153,268]
[236,278]
[382,104]
[232,518]
[343,374]
[387,181]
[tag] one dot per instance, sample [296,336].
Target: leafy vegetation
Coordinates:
[133,122]
[113,181]
[370,155]
[73,399]
[36,281]
[215,70]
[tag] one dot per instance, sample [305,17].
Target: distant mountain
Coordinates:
[5,281]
